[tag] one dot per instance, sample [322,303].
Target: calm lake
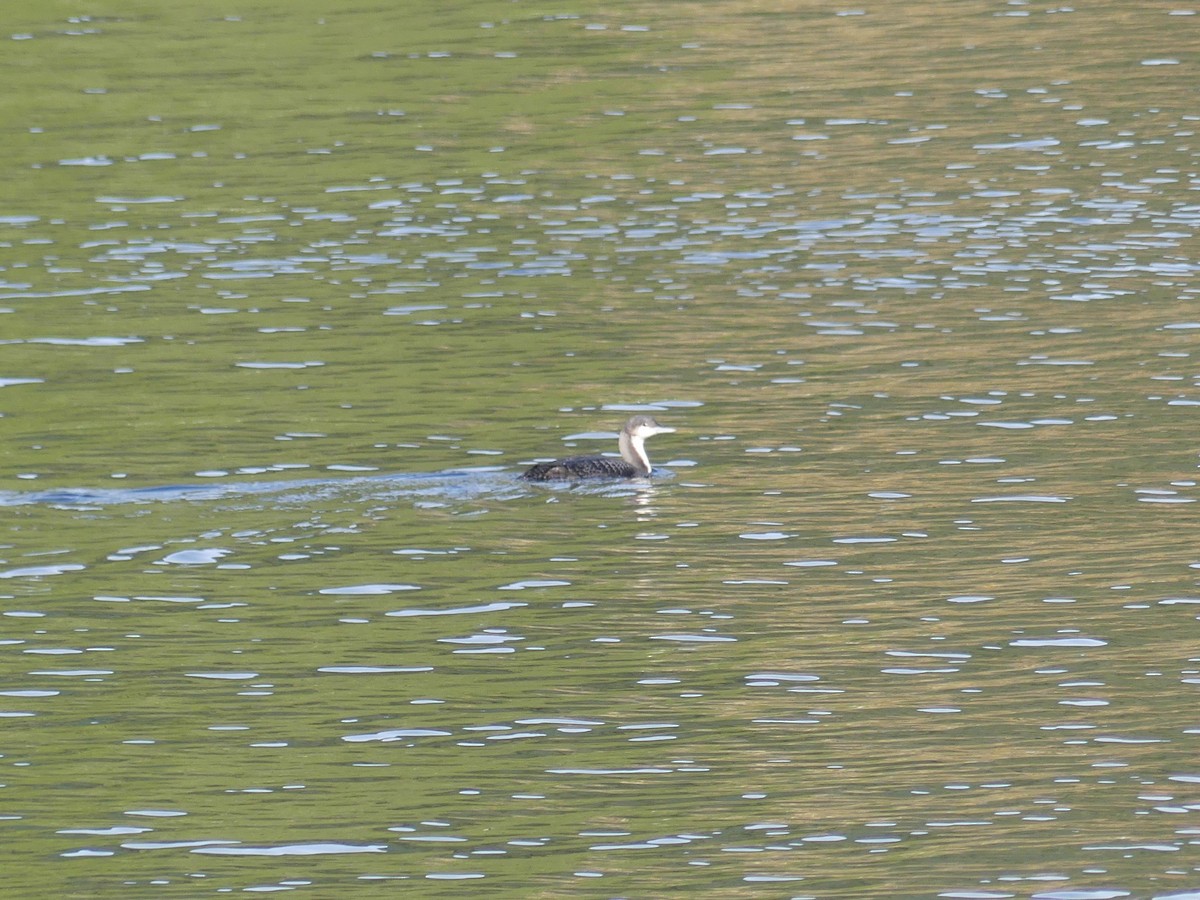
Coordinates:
[290,297]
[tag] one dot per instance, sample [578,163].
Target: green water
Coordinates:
[290,296]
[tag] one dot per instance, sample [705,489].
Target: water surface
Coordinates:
[288,299]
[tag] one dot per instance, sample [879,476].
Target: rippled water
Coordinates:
[288,300]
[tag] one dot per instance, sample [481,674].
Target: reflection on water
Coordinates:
[288,302]
[455,483]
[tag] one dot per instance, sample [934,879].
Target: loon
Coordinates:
[634,463]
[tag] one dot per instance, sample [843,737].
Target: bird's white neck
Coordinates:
[633,451]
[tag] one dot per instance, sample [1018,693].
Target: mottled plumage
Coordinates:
[634,463]
[580,467]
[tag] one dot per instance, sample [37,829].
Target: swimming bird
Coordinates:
[634,463]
